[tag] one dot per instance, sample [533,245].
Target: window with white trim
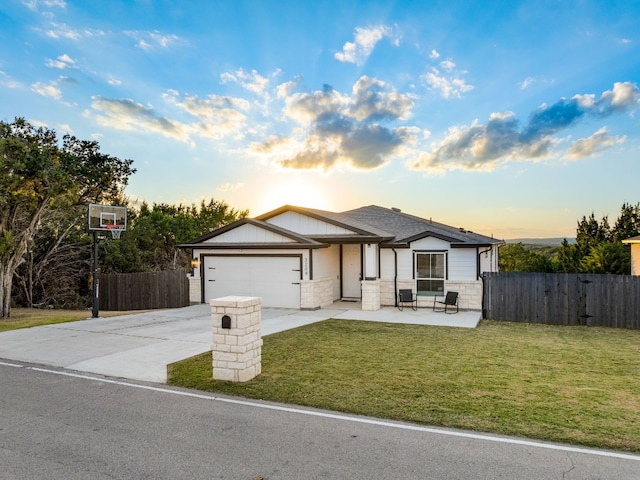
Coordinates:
[431,271]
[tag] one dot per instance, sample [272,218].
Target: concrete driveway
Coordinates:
[140,346]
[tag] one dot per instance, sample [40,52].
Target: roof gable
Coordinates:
[249,232]
[307,224]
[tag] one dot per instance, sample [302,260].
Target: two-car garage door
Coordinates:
[274,278]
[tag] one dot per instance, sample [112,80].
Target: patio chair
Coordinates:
[405,295]
[450,300]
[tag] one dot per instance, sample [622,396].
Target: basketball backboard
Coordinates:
[106,218]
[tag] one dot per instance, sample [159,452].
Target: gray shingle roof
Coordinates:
[406,228]
[393,226]
[390,227]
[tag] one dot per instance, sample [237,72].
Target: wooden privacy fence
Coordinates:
[563,299]
[144,291]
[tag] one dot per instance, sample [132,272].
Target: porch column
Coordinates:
[370,295]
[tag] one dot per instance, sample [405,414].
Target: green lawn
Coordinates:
[578,385]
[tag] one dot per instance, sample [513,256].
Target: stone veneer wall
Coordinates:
[315,294]
[237,351]
[470,294]
[195,292]
[470,297]
[370,295]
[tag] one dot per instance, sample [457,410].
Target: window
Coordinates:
[431,271]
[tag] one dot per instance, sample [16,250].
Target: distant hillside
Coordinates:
[542,242]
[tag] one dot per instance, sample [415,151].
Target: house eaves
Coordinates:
[632,240]
[344,239]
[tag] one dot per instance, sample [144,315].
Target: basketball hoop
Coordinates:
[115,230]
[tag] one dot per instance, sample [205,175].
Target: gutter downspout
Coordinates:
[481,277]
[395,276]
[478,268]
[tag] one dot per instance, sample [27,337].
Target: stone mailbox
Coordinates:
[237,340]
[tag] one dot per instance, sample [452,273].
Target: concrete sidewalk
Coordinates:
[140,346]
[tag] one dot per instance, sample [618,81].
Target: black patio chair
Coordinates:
[405,295]
[450,300]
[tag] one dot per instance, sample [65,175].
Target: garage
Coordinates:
[274,278]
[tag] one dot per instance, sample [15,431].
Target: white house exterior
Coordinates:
[304,258]
[635,254]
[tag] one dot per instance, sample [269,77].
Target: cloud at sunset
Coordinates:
[503,138]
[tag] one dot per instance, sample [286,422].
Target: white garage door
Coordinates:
[276,279]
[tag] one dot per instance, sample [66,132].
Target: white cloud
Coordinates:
[35,5]
[284,89]
[623,95]
[447,65]
[62,62]
[448,86]
[229,187]
[218,116]
[337,129]
[529,81]
[62,31]
[251,81]
[597,142]
[526,83]
[66,128]
[125,114]
[374,99]
[150,40]
[8,81]
[50,90]
[503,139]
[364,42]
[434,55]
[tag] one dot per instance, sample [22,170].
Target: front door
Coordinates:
[351,271]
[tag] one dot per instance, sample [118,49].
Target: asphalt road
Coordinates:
[55,424]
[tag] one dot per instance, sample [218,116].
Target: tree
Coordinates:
[56,267]
[608,257]
[154,233]
[38,175]
[517,258]
[598,247]
[628,223]
[590,232]
[569,258]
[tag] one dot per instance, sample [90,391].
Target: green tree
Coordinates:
[608,257]
[151,242]
[590,232]
[598,247]
[628,223]
[517,258]
[569,258]
[38,175]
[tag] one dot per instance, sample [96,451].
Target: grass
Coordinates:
[577,385]
[33,317]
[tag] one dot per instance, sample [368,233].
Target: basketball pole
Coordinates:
[96,281]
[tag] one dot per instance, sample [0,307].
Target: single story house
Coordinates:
[305,258]
[635,254]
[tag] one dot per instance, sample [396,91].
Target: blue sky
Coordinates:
[509,118]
